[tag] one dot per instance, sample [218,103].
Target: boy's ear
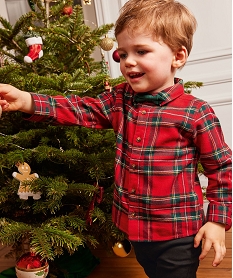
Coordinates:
[180,57]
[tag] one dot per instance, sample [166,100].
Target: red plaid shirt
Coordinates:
[157,192]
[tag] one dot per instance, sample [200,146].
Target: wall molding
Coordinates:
[217,81]
[214,78]
[223,101]
[213,68]
[210,56]
[214,97]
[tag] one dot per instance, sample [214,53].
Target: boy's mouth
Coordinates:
[135,75]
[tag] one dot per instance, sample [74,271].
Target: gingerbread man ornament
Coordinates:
[24,175]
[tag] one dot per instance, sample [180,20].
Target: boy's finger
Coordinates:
[220,252]
[205,249]
[4,105]
[198,238]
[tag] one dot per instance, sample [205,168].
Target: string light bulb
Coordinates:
[87,2]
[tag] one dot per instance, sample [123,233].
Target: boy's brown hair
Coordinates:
[168,20]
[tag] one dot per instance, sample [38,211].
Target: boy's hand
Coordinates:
[214,235]
[12,99]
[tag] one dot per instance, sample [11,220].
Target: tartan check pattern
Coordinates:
[157,193]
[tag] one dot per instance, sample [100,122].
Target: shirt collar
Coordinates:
[172,92]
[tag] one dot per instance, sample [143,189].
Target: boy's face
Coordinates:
[145,63]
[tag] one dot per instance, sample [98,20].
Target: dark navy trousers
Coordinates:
[168,259]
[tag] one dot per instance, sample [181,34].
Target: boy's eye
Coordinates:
[122,55]
[142,52]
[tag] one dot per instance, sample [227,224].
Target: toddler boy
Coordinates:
[161,134]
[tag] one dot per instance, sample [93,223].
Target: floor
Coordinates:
[112,266]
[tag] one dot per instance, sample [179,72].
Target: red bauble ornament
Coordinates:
[67,10]
[115,56]
[30,261]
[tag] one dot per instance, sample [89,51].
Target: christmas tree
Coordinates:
[48,50]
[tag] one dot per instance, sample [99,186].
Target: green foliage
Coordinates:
[68,160]
[190,85]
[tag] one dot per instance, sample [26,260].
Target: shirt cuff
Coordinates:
[220,214]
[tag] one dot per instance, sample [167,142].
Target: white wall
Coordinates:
[107,11]
[3,10]
[210,59]
[15,8]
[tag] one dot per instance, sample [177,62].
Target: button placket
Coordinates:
[135,166]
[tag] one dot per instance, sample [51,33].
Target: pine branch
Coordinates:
[49,241]
[190,85]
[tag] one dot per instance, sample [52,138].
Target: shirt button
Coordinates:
[138,139]
[133,166]
[133,190]
[143,112]
[132,214]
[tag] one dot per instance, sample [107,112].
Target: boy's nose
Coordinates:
[130,61]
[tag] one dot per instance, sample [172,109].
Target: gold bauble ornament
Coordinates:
[122,248]
[107,43]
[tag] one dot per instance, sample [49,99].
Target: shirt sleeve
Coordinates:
[215,157]
[72,110]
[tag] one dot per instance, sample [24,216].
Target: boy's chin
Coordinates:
[138,89]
